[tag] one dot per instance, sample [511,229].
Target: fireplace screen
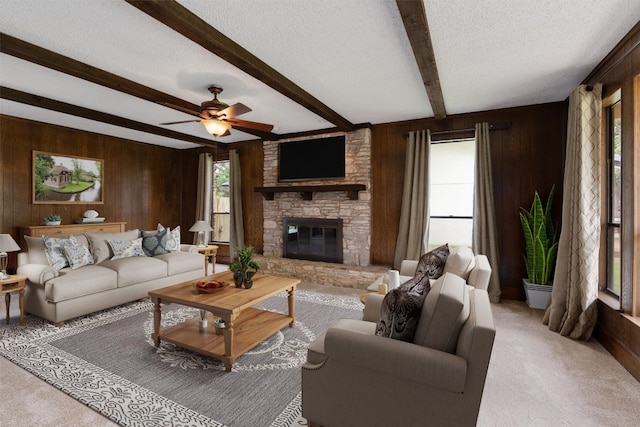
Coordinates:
[313,239]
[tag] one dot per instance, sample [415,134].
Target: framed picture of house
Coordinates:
[63,179]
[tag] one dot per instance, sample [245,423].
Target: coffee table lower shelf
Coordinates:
[249,329]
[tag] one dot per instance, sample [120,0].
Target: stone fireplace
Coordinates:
[354,214]
[313,239]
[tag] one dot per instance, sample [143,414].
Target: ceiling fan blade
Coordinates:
[234,110]
[175,123]
[264,127]
[184,110]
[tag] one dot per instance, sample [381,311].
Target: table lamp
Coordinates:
[201,227]
[7,244]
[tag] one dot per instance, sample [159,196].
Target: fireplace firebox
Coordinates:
[313,239]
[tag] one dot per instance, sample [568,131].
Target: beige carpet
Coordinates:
[535,378]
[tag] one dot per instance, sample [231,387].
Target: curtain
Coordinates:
[203,197]
[236,234]
[413,233]
[573,308]
[485,234]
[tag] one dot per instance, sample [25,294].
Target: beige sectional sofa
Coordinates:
[61,294]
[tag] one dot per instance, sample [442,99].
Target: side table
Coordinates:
[209,251]
[14,283]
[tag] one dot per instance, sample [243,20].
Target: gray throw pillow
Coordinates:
[155,243]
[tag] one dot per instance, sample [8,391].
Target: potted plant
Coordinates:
[52,220]
[244,267]
[541,249]
[219,325]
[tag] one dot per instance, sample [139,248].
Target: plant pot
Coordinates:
[219,327]
[248,279]
[537,295]
[52,222]
[238,278]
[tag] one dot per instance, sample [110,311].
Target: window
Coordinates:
[221,213]
[451,169]
[614,192]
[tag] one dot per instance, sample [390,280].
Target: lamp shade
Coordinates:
[201,226]
[7,244]
[215,127]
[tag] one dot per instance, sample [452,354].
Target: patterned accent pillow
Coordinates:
[432,263]
[399,315]
[54,249]
[126,248]
[173,241]
[78,256]
[401,309]
[155,243]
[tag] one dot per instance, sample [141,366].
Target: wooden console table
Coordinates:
[67,229]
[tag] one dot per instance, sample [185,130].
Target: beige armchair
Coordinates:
[353,377]
[475,269]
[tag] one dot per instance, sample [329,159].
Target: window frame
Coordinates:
[454,217]
[213,203]
[612,228]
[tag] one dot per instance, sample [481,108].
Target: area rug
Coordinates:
[107,361]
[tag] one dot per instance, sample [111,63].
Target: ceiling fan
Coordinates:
[218,117]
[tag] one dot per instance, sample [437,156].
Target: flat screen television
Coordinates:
[322,158]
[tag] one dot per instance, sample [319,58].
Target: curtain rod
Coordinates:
[491,127]
[506,125]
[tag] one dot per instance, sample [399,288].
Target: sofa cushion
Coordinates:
[87,280]
[100,248]
[35,246]
[78,256]
[54,249]
[460,262]
[399,315]
[433,262]
[444,311]
[181,262]
[137,269]
[126,248]
[153,243]
[173,241]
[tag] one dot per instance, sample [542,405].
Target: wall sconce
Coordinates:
[215,126]
[7,244]
[201,227]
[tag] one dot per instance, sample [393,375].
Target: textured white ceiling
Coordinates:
[352,55]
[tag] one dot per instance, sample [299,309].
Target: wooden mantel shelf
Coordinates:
[306,191]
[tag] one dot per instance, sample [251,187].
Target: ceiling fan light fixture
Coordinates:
[215,127]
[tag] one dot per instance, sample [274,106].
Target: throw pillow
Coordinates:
[126,248]
[78,256]
[432,263]
[154,243]
[54,249]
[399,315]
[173,241]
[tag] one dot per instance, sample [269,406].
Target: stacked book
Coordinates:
[89,220]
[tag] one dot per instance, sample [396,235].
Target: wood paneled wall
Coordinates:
[526,157]
[143,184]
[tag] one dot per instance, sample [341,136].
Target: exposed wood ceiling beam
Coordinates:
[180,19]
[38,55]
[63,107]
[46,58]
[414,18]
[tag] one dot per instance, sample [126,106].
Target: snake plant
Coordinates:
[541,242]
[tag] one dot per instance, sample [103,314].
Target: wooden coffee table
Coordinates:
[246,326]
